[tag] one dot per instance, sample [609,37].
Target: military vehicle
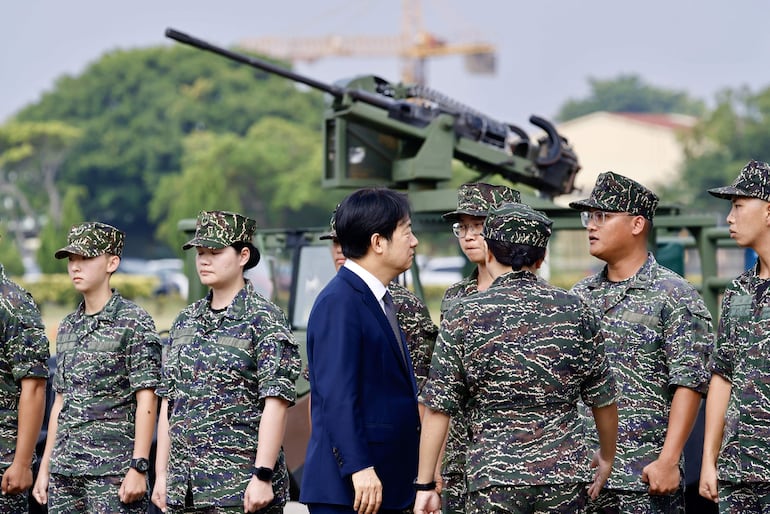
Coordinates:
[406,137]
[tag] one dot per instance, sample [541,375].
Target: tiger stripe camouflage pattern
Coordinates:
[657,334]
[516,359]
[218,370]
[91,239]
[420,331]
[220,229]
[616,193]
[102,360]
[24,355]
[741,358]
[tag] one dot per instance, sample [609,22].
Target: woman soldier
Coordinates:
[228,380]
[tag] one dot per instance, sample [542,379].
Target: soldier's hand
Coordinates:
[259,494]
[368,489]
[603,469]
[133,487]
[708,482]
[40,489]
[662,477]
[159,491]
[16,479]
[427,502]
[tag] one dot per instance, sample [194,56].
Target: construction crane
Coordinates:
[414,45]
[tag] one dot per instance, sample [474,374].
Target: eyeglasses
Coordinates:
[599,217]
[462,230]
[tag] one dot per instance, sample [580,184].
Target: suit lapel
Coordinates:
[371,303]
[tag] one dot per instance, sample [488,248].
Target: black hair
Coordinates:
[515,255]
[253,253]
[367,212]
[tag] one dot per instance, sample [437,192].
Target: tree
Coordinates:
[736,131]
[54,233]
[272,174]
[135,107]
[31,157]
[629,93]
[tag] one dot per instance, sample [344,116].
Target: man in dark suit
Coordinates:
[362,454]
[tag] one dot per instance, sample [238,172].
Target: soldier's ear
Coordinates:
[113,261]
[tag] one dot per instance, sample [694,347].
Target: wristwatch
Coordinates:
[262,473]
[141,464]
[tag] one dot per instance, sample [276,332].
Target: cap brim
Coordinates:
[728,192]
[65,252]
[328,235]
[456,214]
[590,203]
[205,243]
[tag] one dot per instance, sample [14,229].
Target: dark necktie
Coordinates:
[390,313]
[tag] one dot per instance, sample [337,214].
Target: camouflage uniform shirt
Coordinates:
[24,355]
[420,331]
[743,344]
[517,358]
[657,334]
[457,439]
[220,367]
[102,360]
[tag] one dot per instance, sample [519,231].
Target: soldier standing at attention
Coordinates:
[735,471]
[516,359]
[108,365]
[228,380]
[473,203]
[23,373]
[657,333]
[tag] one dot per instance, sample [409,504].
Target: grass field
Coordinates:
[162,309]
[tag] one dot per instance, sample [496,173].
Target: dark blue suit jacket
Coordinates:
[363,398]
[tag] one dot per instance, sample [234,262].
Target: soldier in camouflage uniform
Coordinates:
[412,315]
[516,359]
[23,373]
[735,470]
[108,365]
[228,378]
[657,333]
[473,203]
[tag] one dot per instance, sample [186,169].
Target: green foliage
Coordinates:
[53,235]
[270,173]
[736,131]
[56,288]
[136,107]
[629,93]
[10,257]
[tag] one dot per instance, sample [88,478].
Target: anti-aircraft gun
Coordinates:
[404,136]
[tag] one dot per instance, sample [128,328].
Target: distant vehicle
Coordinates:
[442,271]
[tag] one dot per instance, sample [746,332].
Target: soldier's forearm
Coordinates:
[684,410]
[31,412]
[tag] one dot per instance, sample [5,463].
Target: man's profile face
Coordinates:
[399,251]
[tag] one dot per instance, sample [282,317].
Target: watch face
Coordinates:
[141,465]
[264,474]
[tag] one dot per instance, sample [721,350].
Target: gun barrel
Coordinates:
[253,61]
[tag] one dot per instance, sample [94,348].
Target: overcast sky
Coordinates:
[546,49]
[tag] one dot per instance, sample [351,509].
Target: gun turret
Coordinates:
[405,136]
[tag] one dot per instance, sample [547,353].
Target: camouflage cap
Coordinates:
[332,233]
[752,182]
[91,239]
[518,223]
[220,229]
[616,193]
[478,198]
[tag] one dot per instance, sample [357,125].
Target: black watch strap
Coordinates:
[430,486]
[142,465]
[262,473]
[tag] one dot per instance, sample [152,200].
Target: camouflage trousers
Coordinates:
[744,497]
[89,494]
[453,494]
[614,501]
[535,499]
[275,509]
[15,503]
